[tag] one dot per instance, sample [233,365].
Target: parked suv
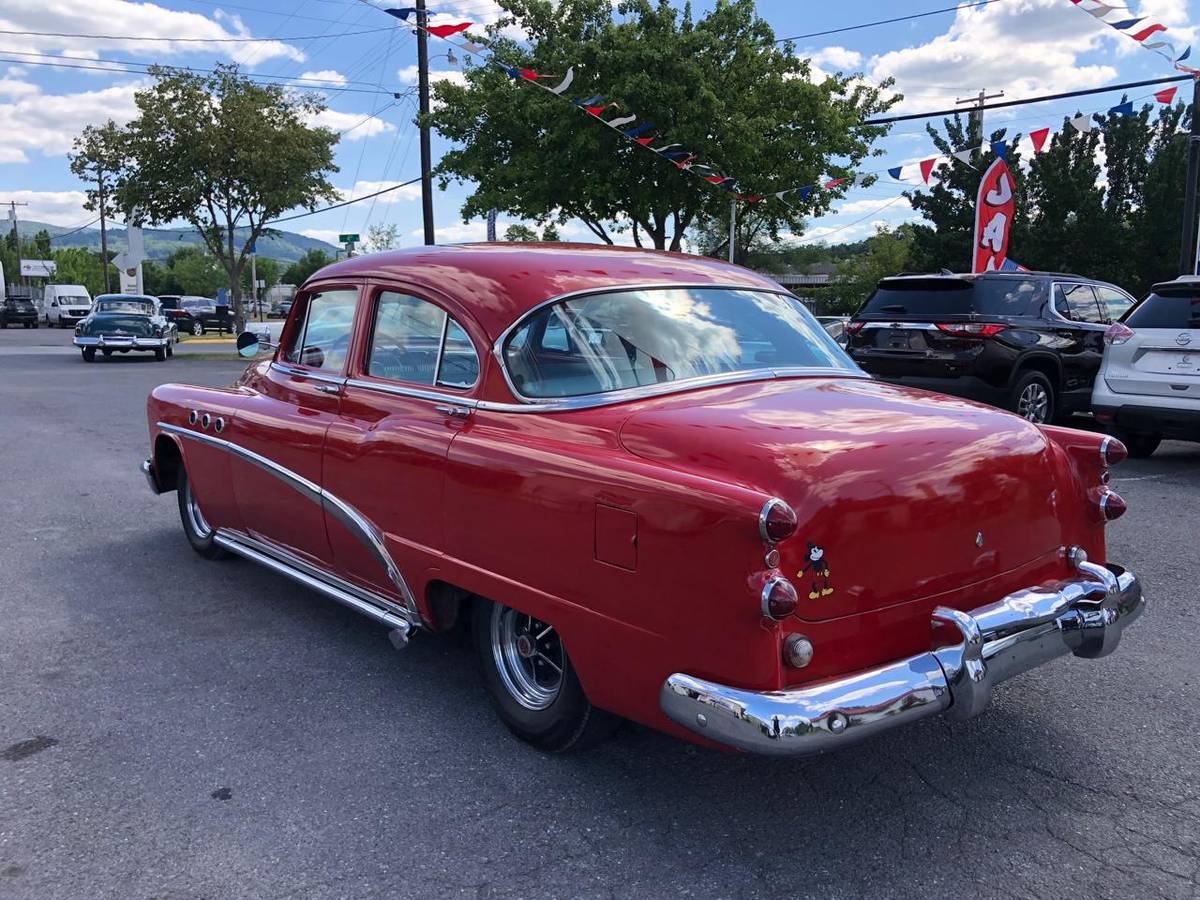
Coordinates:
[1030,342]
[18,311]
[1149,384]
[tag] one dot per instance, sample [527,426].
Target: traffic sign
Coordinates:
[347,238]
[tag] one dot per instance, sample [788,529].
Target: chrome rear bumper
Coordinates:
[1083,616]
[121,342]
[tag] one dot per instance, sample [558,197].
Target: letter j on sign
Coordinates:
[993,218]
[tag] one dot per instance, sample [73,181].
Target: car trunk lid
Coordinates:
[900,494]
[1162,358]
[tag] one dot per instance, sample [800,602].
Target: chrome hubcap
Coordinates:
[1034,403]
[196,520]
[529,657]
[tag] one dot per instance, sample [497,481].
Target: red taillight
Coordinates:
[777,521]
[854,327]
[779,598]
[971,329]
[1118,333]
[1113,452]
[1111,505]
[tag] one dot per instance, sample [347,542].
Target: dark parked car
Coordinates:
[18,311]
[183,318]
[1030,342]
[210,316]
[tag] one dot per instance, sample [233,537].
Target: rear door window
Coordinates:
[1115,303]
[417,342]
[1175,311]
[1077,302]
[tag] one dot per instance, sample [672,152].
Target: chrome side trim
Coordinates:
[1083,616]
[888,323]
[301,372]
[370,605]
[359,525]
[400,390]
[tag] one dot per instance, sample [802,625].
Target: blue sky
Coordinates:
[356,56]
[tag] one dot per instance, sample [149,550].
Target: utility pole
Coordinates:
[16,239]
[423,97]
[976,119]
[732,228]
[1187,262]
[103,225]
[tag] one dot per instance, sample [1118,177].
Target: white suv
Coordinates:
[1149,382]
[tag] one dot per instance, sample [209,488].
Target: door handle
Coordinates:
[328,388]
[454,412]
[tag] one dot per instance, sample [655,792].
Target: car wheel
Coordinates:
[107,353]
[198,329]
[1139,444]
[532,683]
[89,354]
[199,533]
[160,354]
[1032,398]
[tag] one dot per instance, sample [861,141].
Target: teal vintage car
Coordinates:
[120,323]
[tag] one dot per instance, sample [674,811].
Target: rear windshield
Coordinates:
[943,297]
[1166,311]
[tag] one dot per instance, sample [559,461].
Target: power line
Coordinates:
[63,234]
[1066,94]
[394,187]
[179,40]
[932,12]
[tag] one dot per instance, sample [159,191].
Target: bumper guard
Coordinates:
[1083,616]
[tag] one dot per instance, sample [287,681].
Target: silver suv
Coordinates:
[1149,383]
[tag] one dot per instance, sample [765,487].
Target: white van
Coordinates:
[65,304]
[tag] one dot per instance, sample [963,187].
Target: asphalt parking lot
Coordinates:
[171,727]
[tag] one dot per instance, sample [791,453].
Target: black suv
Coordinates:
[18,311]
[1030,342]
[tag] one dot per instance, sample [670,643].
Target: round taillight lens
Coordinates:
[1112,505]
[777,521]
[1113,452]
[797,651]
[779,598]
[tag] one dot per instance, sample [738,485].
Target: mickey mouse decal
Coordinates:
[817,571]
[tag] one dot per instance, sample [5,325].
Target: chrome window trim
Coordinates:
[437,370]
[358,524]
[302,372]
[624,395]
[400,390]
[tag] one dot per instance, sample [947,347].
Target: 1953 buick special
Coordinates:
[652,486]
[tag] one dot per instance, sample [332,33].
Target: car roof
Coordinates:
[143,297]
[500,282]
[1184,284]
[972,276]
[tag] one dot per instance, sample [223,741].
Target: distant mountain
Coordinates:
[285,246]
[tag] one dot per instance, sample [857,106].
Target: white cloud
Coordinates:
[461,233]
[841,234]
[408,75]
[362,125]
[328,235]
[48,123]
[865,207]
[363,188]
[122,17]
[14,87]
[836,57]
[52,207]
[331,76]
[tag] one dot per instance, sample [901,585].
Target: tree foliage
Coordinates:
[381,237]
[300,271]
[220,151]
[719,85]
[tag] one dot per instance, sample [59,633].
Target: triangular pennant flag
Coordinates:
[1123,109]
[830,185]
[402,13]
[964,156]
[927,168]
[477,49]
[1038,138]
[805,191]
[1126,24]
[624,120]
[645,141]
[511,71]
[565,83]
[686,163]
[895,173]
[675,154]
[590,101]
[1100,11]
[861,178]
[1186,54]
[1146,32]
[1000,148]
[663,150]
[780,194]
[531,75]
[1166,96]
[444,31]
[1082,124]
[598,108]
[641,128]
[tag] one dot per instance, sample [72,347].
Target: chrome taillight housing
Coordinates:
[1109,505]
[777,521]
[1113,452]
[779,598]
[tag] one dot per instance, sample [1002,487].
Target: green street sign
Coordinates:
[347,238]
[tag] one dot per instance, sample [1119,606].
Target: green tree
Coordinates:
[550,233]
[77,265]
[220,152]
[948,205]
[886,253]
[96,158]
[381,237]
[520,234]
[267,270]
[1157,222]
[196,272]
[302,269]
[41,244]
[720,86]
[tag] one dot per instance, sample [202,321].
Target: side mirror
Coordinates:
[250,344]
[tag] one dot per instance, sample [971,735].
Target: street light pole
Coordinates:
[423,98]
[1187,262]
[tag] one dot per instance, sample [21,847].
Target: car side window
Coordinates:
[1115,303]
[322,339]
[415,341]
[1079,301]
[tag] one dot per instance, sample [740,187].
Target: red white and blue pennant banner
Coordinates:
[1139,29]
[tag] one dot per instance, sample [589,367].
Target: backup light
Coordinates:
[797,651]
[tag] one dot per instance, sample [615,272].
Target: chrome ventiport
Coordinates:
[193,417]
[219,424]
[205,421]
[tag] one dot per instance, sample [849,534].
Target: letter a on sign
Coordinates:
[994,207]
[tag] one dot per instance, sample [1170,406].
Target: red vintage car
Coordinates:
[653,487]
